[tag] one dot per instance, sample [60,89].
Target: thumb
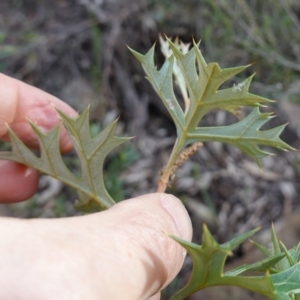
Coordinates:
[122,253]
[143,258]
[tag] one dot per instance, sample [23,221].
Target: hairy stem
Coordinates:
[177,158]
[167,171]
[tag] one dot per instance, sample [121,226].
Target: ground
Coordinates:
[77,50]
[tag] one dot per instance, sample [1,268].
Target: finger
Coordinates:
[122,253]
[139,244]
[17,182]
[21,102]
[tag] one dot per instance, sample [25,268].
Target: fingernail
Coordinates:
[180,215]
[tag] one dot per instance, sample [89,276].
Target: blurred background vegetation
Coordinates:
[77,51]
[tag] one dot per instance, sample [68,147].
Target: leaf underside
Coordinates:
[92,194]
[203,81]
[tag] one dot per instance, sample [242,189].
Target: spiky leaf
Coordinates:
[261,266]
[91,152]
[203,82]
[245,135]
[287,283]
[208,270]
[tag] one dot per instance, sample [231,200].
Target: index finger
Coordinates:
[20,102]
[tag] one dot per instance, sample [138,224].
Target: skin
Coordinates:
[122,253]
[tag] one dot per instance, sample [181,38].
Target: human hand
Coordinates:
[122,253]
[19,103]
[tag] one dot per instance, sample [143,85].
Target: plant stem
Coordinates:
[167,171]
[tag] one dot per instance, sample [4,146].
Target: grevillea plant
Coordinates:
[199,84]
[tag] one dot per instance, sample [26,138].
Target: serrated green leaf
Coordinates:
[162,82]
[261,266]
[208,270]
[208,266]
[203,82]
[276,249]
[287,282]
[241,238]
[262,248]
[289,259]
[275,241]
[245,135]
[91,152]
